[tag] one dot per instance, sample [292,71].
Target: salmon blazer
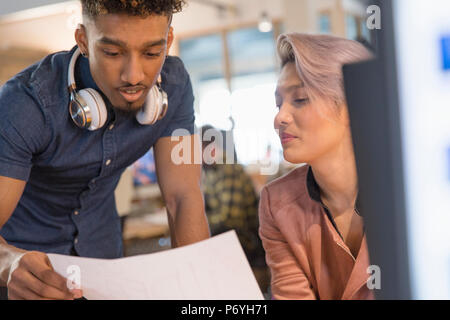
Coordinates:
[307,257]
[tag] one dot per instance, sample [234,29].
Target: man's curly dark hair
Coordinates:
[142,8]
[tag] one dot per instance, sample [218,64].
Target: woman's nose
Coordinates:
[283,117]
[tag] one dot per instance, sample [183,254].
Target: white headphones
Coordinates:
[88,110]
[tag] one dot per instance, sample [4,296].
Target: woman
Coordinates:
[309,225]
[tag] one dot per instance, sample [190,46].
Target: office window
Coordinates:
[203,57]
[253,69]
[251,52]
[254,110]
[234,76]
[351,23]
[365,32]
[357,28]
[324,23]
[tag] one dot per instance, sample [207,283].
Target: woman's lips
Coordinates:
[285,138]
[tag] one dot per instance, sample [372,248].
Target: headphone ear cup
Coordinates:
[97,107]
[151,109]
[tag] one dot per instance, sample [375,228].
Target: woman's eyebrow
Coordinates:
[295,87]
[289,88]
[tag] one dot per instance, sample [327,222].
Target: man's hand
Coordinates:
[32,277]
[27,274]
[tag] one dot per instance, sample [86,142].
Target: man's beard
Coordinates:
[128,111]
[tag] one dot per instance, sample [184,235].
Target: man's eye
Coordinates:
[110,53]
[149,54]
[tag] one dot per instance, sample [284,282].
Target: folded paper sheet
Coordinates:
[213,269]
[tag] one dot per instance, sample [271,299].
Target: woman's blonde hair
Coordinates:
[319,60]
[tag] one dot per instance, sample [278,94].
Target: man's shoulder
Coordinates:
[174,71]
[37,79]
[27,99]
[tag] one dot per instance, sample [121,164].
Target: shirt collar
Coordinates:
[314,190]
[83,76]
[312,186]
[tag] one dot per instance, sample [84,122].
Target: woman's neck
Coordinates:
[336,175]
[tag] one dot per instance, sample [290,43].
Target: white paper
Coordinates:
[213,269]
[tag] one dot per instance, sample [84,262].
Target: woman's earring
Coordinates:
[84,54]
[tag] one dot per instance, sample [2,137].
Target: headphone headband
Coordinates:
[71,74]
[88,110]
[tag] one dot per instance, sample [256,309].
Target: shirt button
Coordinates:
[111,127]
[76,240]
[108,162]
[76,212]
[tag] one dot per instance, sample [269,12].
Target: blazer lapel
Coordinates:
[359,275]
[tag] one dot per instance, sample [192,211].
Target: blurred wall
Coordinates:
[197,17]
[18,5]
[16,59]
[303,15]
[50,28]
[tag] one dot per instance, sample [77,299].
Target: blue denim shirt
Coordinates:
[68,203]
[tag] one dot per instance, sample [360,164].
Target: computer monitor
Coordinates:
[144,170]
[399,108]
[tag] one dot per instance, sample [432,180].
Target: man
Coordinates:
[57,180]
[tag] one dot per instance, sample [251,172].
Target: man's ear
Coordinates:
[169,39]
[81,39]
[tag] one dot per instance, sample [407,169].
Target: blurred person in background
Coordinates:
[231,201]
[310,225]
